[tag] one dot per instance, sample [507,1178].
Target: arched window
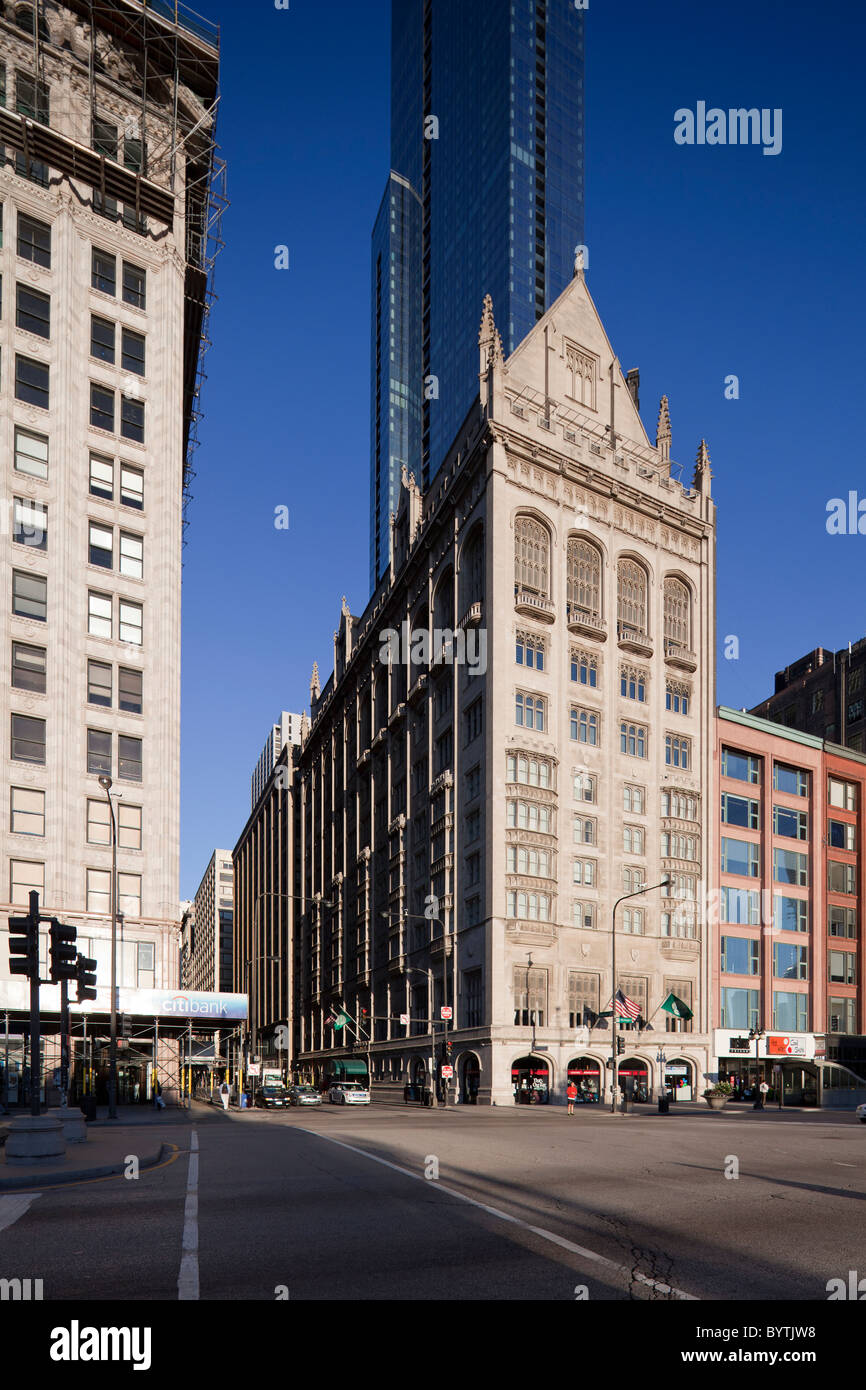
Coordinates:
[443,604]
[677,613]
[472,570]
[531,557]
[631,595]
[25,17]
[584,581]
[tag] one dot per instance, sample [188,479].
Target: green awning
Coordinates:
[351,1067]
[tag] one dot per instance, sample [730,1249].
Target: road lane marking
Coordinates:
[840,1164]
[187,1279]
[540,1231]
[14,1207]
[107,1177]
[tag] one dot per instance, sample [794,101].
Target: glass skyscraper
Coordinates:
[485,196]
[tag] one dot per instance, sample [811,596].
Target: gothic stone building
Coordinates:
[470,812]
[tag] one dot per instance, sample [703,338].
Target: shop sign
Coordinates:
[783,1045]
[677,1071]
[740,1045]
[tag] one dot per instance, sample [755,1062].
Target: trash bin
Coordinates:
[664,1105]
[88,1107]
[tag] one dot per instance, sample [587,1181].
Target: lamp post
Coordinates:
[661,1063]
[105,783]
[613,1064]
[757,1034]
[428,974]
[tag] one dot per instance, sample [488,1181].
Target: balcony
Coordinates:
[419,688]
[631,639]
[531,605]
[471,618]
[584,623]
[678,654]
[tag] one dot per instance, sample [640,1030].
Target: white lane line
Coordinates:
[504,1216]
[187,1279]
[12,1208]
[840,1164]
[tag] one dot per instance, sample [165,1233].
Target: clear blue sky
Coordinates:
[703,262]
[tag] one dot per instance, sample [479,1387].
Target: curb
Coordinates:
[61,1179]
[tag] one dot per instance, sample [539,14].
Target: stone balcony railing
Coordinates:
[585,623]
[533,605]
[631,639]
[678,654]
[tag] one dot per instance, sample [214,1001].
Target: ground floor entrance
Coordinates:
[790,1082]
[530,1081]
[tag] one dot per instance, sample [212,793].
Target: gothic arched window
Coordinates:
[631,595]
[677,613]
[583,580]
[531,556]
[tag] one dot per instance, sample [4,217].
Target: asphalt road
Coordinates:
[528,1204]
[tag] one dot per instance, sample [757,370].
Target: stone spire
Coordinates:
[579,267]
[315,687]
[703,472]
[489,339]
[663,431]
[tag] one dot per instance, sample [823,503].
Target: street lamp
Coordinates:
[757,1034]
[613,1063]
[105,783]
[446,952]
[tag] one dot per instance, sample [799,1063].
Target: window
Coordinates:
[472,826]
[27,811]
[32,382]
[683,989]
[677,605]
[531,557]
[101,339]
[33,311]
[28,739]
[679,806]
[583,583]
[101,408]
[103,275]
[24,879]
[105,138]
[99,892]
[132,419]
[740,906]
[131,630]
[843,835]
[790,1012]
[633,800]
[31,454]
[843,794]
[533,907]
[473,782]
[842,921]
[128,758]
[528,815]
[29,667]
[98,752]
[530,996]
[99,622]
[132,352]
[790,914]
[472,718]
[129,894]
[101,478]
[529,711]
[632,684]
[741,811]
[631,597]
[584,787]
[584,726]
[30,523]
[681,886]
[473,999]
[99,684]
[679,846]
[790,962]
[583,915]
[789,867]
[132,565]
[677,698]
[583,997]
[841,968]
[633,878]
[34,241]
[131,487]
[632,740]
[129,690]
[584,830]
[841,878]
[841,1014]
[98,822]
[530,651]
[535,862]
[533,772]
[584,668]
[678,924]
[632,921]
[134,285]
[583,871]
[792,824]
[739,1008]
[740,766]
[632,839]
[790,779]
[101,546]
[30,596]
[678,751]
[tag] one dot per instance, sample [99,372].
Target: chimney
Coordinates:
[632,381]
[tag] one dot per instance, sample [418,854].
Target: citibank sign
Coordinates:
[185,1004]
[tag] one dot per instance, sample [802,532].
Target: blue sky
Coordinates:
[703,261]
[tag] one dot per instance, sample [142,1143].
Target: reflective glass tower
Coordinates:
[487,131]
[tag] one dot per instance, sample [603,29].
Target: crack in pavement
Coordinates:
[651,1270]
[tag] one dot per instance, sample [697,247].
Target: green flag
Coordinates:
[343,1018]
[675,1006]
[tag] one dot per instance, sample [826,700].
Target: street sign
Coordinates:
[404,1019]
[447,1073]
[446,1011]
[254,1068]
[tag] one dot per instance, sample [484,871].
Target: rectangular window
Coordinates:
[583,871]
[98,752]
[678,751]
[584,727]
[842,921]
[471,721]
[100,549]
[132,419]
[739,1008]
[790,914]
[532,907]
[583,915]
[841,967]
[28,739]
[632,740]
[741,905]
[131,487]
[132,352]
[842,794]
[677,699]
[529,711]
[30,523]
[24,879]
[530,996]
[105,138]
[99,822]
[33,311]
[132,565]
[128,826]
[101,408]
[842,1015]
[632,684]
[532,772]
[632,840]
[473,781]
[584,669]
[790,780]
[32,382]
[102,339]
[740,810]
[535,862]
[790,1012]
[31,454]
[790,867]
[34,241]
[131,630]
[30,596]
[99,684]
[472,999]
[103,275]
[99,892]
[842,835]
[129,894]
[740,857]
[633,800]
[740,766]
[27,811]
[29,667]
[841,878]
[632,921]
[128,758]
[101,478]
[99,621]
[583,831]
[134,285]
[740,956]
[129,690]
[792,824]
[583,998]
[790,962]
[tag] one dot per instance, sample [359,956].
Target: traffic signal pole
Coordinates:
[35,1034]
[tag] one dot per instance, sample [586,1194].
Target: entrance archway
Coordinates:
[634,1078]
[468,1079]
[530,1081]
[419,1071]
[585,1072]
[680,1078]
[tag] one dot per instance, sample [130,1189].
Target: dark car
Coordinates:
[273,1097]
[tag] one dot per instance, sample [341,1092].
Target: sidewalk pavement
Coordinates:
[152,1137]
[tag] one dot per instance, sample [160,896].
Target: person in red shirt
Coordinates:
[571,1093]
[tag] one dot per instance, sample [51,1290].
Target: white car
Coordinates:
[860,1112]
[348,1093]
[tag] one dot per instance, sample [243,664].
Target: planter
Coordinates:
[716,1102]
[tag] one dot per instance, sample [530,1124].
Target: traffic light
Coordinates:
[62,961]
[448,1050]
[24,949]
[620,1046]
[85,974]
[126,1025]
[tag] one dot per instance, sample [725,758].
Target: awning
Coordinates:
[351,1067]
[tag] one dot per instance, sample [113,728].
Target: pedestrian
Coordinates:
[571,1093]
[225,1094]
[764,1090]
[157,1096]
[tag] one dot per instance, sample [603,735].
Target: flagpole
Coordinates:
[614,1082]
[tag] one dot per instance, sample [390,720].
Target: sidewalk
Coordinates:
[152,1137]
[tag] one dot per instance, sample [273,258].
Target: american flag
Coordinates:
[625,1007]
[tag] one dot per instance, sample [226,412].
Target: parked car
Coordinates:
[860,1112]
[348,1093]
[272,1097]
[304,1095]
